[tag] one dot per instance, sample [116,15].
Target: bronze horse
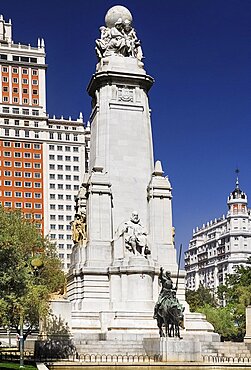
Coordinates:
[171,317]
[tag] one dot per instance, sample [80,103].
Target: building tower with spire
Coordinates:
[43,159]
[219,246]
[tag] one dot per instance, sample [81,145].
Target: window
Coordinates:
[52,226]
[75,159]
[67,137]
[25,91]
[76,178]
[37,165]
[38,216]
[7,193]
[17,145]
[52,157]
[59,136]
[25,101]
[27,184]
[27,155]
[38,205]
[60,236]
[7,183]
[37,195]
[60,157]
[7,132]
[6,143]
[37,175]
[34,72]
[60,167]
[53,236]
[27,165]
[25,81]
[67,158]
[25,112]
[35,112]
[5,69]
[7,173]
[17,164]
[68,168]
[59,147]
[18,174]
[17,133]
[27,195]
[51,147]
[52,176]
[18,205]
[6,121]
[67,177]
[52,206]
[34,82]
[15,80]
[34,92]
[60,186]
[6,110]
[60,196]
[7,204]
[15,100]
[60,207]
[5,89]
[6,154]
[60,177]
[26,133]
[68,208]
[52,217]
[60,227]
[27,174]
[36,135]
[7,164]
[5,79]
[68,197]
[76,187]
[68,187]
[5,99]
[69,246]
[61,217]
[67,148]
[17,155]
[28,215]
[37,185]
[58,127]
[52,196]
[75,168]
[27,145]
[18,194]
[61,246]
[18,183]
[51,135]
[52,186]
[27,205]
[52,166]
[14,70]
[37,146]
[25,71]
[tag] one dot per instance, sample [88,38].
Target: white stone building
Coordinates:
[43,159]
[220,245]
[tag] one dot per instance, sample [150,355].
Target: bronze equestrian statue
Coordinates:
[168,311]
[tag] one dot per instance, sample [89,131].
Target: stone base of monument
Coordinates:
[173,349]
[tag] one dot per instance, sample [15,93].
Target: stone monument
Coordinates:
[123,231]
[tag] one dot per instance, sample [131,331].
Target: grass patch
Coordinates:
[15,365]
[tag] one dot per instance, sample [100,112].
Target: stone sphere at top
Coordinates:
[115,13]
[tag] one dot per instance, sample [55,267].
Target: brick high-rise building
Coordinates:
[43,160]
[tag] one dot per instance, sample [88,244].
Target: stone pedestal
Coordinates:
[247,338]
[173,349]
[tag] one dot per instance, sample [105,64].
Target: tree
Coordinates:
[25,287]
[200,297]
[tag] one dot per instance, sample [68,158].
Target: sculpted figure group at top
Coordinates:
[120,39]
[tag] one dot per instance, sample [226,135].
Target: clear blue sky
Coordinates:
[198,51]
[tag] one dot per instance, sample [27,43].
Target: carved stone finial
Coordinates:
[158,169]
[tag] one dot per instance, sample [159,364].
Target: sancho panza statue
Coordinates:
[168,311]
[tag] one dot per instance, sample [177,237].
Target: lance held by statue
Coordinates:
[168,311]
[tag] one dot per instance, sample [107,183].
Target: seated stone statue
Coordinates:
[135,235]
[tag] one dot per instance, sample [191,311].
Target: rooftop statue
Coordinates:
[118,37]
